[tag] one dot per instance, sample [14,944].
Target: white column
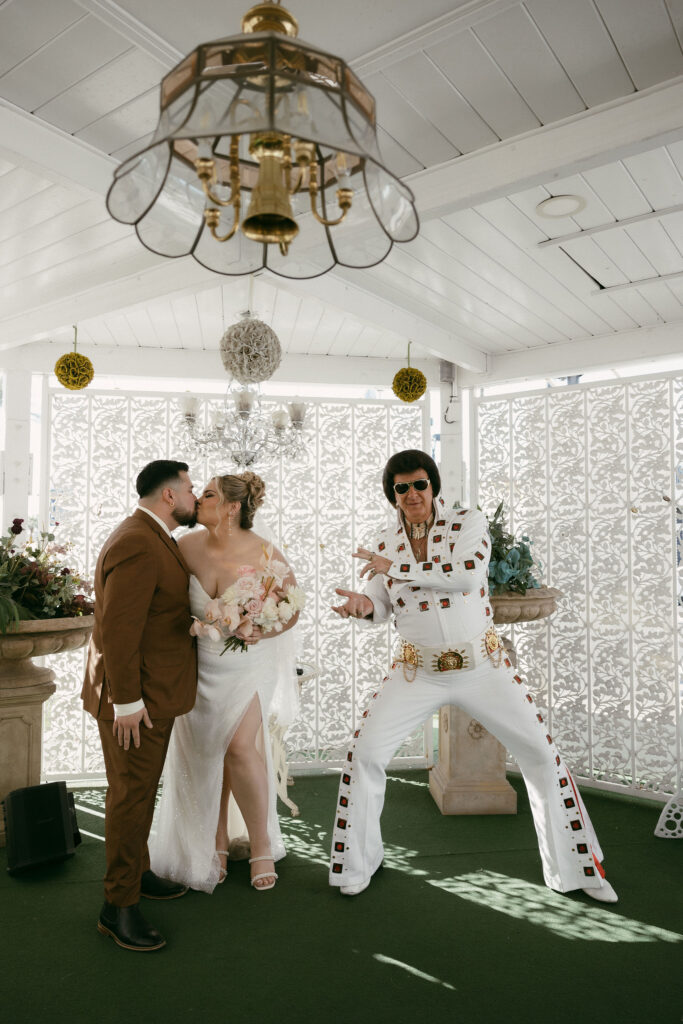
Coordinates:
[17,431]
[450,428]
[469,776]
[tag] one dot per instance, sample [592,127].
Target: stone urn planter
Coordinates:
[469,776]
[24,688]
[537,603]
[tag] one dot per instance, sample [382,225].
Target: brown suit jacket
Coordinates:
[141,645]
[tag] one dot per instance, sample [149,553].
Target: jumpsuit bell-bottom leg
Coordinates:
[496,697]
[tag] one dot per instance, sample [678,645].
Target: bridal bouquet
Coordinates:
[257,598]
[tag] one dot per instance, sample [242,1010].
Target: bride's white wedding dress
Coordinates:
[183,842]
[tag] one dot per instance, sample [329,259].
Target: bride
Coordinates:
[221,750]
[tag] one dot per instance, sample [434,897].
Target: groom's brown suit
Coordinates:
[140,648]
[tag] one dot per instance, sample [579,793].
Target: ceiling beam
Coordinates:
[372,302]
[620,128]
[52,153]
[641,345]
[598,229]
[188,364]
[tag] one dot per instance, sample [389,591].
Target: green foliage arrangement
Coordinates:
[35,583]
[510,568]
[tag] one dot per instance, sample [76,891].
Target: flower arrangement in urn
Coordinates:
[511,565]
[35,582]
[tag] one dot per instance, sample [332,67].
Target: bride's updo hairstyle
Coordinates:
[247,488]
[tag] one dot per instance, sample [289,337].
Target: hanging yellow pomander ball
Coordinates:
[73,370]
[409,384]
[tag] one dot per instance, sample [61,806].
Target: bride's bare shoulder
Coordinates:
[193,542]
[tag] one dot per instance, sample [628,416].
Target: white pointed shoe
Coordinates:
[353,890]
[605,894]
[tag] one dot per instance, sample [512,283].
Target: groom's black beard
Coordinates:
[185,518]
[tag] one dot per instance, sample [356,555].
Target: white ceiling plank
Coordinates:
[121,330]
[125,274]
[639,345]
[130,123]
[72,56]
[513,40]
[527,201]
[657,247]
[657,177]
[27,26]
[517,274]
[623,252]
[481,317]
[346,337]
[663,300]
[447,256]
[143,326]
[74,247]
[595,212]
[630,125]
[637,306]
[418,79]
[595,261]
[397,159]
[642,32]
[187,318]
[617,191]
[19,185]
[473,329]
[500,228]
[50,230]
[116,83]
[477,77]
[585,48]
[673,226]
[49,152]
[39,209]
[405,124]
[368,299]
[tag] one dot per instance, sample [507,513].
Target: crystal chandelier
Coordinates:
[242,433]
[264,124]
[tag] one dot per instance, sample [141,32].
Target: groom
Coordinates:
[140,674]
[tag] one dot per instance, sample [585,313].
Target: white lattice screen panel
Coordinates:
[594,475]
[98,443]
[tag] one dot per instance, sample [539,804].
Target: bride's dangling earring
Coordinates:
[229,526]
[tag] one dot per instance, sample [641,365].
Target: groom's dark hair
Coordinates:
[158,474]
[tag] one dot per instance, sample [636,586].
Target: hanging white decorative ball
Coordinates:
[250,350]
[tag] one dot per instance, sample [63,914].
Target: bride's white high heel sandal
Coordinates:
[266,874]
[224,870]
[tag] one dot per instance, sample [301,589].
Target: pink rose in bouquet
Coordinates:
[258,599]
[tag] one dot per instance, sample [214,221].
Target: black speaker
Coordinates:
[41,826]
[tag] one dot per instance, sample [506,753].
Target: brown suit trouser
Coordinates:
[133,776]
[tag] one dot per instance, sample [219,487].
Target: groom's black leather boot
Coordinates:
[155,888]
[128,928]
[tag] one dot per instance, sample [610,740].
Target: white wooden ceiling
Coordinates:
[485,107]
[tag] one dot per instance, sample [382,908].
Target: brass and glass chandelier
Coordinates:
[265,155]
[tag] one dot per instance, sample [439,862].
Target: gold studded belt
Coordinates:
[459,658]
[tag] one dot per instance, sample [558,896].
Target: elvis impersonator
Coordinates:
[430,572]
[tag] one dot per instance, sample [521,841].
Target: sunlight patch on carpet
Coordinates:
[411,970]
[539,905]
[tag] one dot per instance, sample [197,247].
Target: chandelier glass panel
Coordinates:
[265,155]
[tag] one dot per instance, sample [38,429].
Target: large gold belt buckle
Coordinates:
[493,645]
[410,656]
[448,661]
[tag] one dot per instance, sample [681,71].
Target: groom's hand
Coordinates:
[129,725]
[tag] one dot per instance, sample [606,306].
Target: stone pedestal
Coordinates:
[24,688]
[469,777]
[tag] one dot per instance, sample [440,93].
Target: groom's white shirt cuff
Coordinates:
[128,709]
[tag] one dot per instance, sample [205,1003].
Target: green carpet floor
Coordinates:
[457,927]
